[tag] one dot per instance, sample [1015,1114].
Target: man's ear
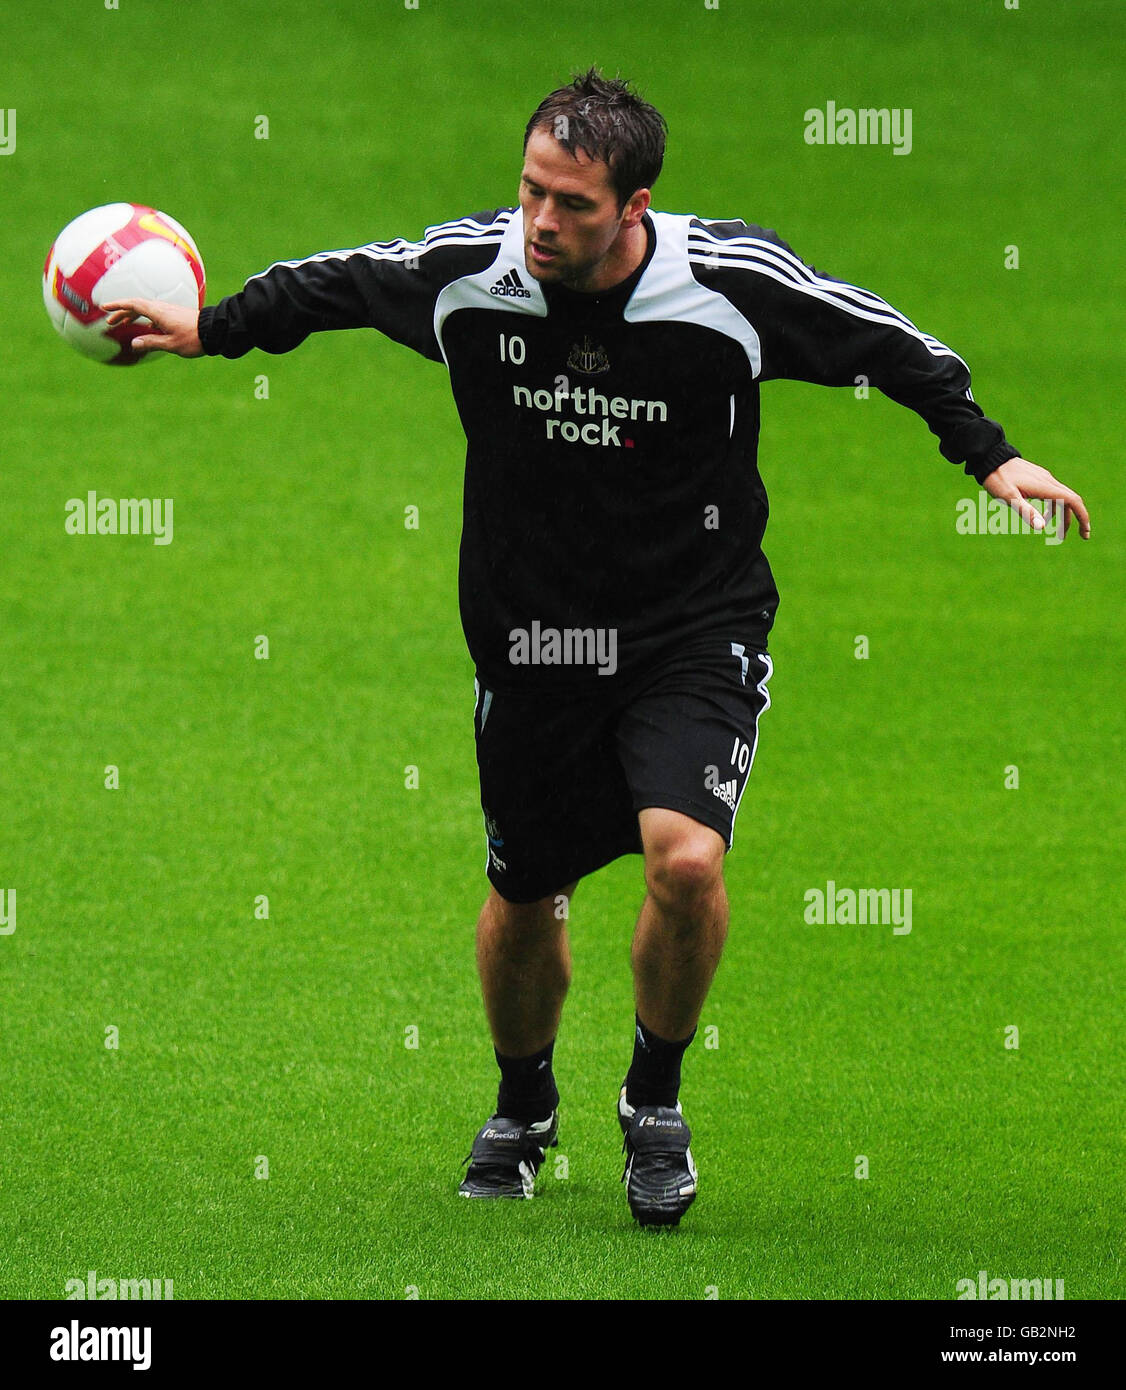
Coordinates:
[635,208]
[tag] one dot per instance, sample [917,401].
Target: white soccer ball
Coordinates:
[120,251]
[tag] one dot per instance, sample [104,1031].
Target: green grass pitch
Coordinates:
[286,1039]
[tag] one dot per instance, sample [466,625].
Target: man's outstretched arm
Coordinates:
[380,286]
[813,327]
[391,286]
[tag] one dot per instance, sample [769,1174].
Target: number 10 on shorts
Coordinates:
[740,755]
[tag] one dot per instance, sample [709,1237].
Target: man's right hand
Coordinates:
[175,329]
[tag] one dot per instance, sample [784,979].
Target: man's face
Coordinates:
[571,213]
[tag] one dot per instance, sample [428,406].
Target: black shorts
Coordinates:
[563,776]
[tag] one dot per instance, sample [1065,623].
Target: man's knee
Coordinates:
[683,859]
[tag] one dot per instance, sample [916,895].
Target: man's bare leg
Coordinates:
[676,948]
[524,961]
[683,922]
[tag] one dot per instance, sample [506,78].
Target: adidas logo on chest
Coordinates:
[510,286]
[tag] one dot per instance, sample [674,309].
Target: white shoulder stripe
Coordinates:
[785,258]
[754,261]
[469,224]
[752,248]
[460,239]
[442,234]
[856,301]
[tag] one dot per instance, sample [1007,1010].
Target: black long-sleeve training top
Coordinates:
[611,475]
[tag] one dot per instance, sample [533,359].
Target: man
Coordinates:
[605,361]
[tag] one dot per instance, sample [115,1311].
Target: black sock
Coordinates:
[654,1073]
[527,1087]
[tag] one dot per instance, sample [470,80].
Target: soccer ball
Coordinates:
[120,251]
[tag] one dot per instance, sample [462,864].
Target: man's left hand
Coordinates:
[1018,480]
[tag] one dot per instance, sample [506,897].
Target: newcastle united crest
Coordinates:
[588,359]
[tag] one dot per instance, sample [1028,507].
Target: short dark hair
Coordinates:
[606,119]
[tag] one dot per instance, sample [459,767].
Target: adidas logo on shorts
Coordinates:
[726,793]
[510,286]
